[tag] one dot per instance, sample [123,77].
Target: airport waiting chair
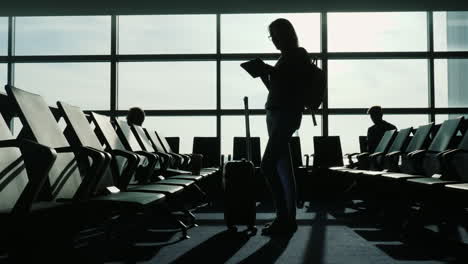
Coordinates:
[365,158]
[65,182]
[183,159]
[175,159]
[131,140]
[82,134]
[174,142]
[424,163]
[109,137]
[453,171]
[210,148]
[24,168]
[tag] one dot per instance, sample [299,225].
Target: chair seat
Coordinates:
[430,181]
[156,188]
[355,171]
[187,177]
[338,168]
[131,198]
[458,186]
[401,176]
[179,182]
[374,173]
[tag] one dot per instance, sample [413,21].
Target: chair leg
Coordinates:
[177,222]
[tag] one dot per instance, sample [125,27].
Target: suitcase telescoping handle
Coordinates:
[313,117]
[247,128]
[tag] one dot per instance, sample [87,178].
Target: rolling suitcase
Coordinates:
[238,184]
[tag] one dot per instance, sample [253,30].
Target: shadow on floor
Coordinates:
[269,252]
[217,249]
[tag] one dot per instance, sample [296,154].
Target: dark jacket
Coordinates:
[285,91]
[375,134]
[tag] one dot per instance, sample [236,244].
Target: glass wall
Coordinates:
[248,33]
[62,35]
[169,34]
[3,76]
[82,84]
[185,127]
[167,85]
[389,83]
[3,36]
[185,71]
[391,31]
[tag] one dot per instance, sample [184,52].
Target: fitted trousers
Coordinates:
[277,163]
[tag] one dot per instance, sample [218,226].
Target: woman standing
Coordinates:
[284,108]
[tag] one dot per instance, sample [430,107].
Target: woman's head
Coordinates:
[283,35]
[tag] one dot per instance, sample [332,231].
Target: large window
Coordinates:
[167,34]
[62,35]
[3,76]
[185,127]
[237,83]
[392,31]
[234,126]
[451,31]
[389,83]
[184,70]
[3,36]
[167,85]
[82,84]
[451,80]
[248,33]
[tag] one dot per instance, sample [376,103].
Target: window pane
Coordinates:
[3,36]
[185,127]
[377,31]
[234,126]
[440,118]
[451,31]
[62,35]
[389,83]
[167,34]
[3,76]
[307,132]
[248,33]
[167,85]
[450,82]
[82,84]
[237,83]
[350,127]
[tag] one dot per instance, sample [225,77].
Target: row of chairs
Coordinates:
[422,168]
[59,186]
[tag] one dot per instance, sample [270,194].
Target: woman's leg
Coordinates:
[277,166]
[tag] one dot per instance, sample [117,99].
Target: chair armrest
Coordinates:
[393,154]
[64,149]
[417,153]
[352,154]
[9,143]
[376,154]
[130,168]
[93,175]
[38,160]
[307,160]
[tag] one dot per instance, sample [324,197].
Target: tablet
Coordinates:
[254,67]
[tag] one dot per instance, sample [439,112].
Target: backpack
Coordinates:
[314,86]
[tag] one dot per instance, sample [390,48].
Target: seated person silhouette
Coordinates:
[376,132]
[135,116]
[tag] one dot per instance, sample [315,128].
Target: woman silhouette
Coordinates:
[283,117]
